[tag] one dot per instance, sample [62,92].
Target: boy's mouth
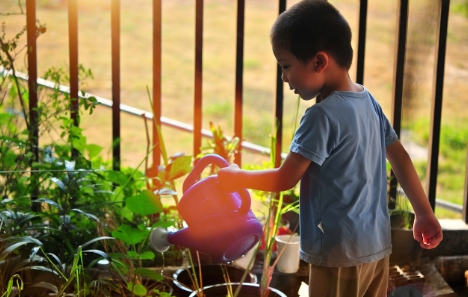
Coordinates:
[293,89]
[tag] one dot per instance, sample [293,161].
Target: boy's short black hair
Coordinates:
[311,26]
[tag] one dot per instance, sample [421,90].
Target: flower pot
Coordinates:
[247,290]
[404,247]
[211,275]
[288,253]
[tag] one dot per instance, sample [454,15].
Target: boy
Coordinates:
[338,153]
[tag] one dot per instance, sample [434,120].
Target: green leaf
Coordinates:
[117,177]
[45,285]
[89,215]
[144,203]
[79,143]
[20,242]
[132,255]
[49,202]
[137,289]
[93,150]
[97,252]
[126,213]
[180,167]
[96,239]
[148,255]
[163,224]
[130,235]
[58,182]
[147,273]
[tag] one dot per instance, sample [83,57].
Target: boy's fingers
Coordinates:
[431,241]
[418,237]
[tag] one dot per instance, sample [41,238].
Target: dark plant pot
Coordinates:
[211,275]
[247,290]
[404,247]
[401,219]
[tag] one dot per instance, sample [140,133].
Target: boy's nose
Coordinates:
[284,78]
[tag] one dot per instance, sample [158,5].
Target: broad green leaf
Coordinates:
[137,289]
[163,224]
[79,144]
[126,213]
[132,255]
[148,255]
[145,203]
[180,167]
[147,273]
[129,235]
[93,150]
[117,196]
[117,177]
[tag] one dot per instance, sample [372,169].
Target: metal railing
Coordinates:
[198,132]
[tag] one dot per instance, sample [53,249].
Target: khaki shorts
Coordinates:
[365,280]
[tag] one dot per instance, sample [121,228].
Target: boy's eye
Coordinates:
[284,67]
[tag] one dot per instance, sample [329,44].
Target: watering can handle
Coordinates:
[219,161]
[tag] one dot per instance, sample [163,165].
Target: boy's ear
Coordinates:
[320,61]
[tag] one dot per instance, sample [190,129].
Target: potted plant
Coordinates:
[404,246]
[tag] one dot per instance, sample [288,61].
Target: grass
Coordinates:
[178,35]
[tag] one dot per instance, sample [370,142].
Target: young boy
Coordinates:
[338,153]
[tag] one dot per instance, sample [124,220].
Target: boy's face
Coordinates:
[301,77]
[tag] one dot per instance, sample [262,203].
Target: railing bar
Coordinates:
[457,208]
[157,40]
[32,86]
[279,101]
[115,32]
[239,78]
[138,112]
[361,51]
[402,30]
[32,72]
[465,195]
[73,51]
[434,140]
[400,65]
[198,92]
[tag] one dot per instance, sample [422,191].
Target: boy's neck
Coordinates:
[337,79]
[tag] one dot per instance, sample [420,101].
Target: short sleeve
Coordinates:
[389,133]
[314,139]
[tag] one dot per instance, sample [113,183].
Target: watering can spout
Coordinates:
[219,224]
[161,239]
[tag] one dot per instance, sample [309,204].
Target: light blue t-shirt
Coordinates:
[343,196]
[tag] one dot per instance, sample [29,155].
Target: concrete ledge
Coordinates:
[455,240]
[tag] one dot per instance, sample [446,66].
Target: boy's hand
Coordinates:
[427,231]
[226,178]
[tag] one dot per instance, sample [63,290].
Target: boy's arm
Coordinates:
[426,228]
[270,180]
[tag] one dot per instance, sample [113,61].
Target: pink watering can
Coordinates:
[219,224]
